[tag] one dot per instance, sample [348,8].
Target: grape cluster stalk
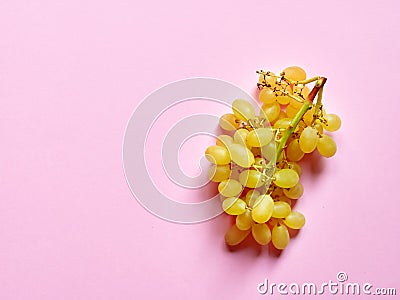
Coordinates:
[255,162]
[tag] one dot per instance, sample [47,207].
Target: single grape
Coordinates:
[326,146]
[283,99]
[240,136]
[251,178]
[230,188]
[319,128]
[251,197]
[281,209]
[218,173]
[259,137]
[333,122]
[261,233]
[262,209]
[291,111]
[293,151]
[243,110]
[218,155]
[295,73]
[267,96]
[286,178]
[235,236]
[295,220]
[244,220]
[280,236]
[295,166]
[284,123]
[224,140]
[241,155]
[269,151]
[295,192]
[308,139]
[234,206]
[270,111]
[228,122]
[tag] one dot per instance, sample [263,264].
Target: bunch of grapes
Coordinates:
[256,162]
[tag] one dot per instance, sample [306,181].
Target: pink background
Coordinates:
[72,72]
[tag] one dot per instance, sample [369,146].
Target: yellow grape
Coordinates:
[294,192]
[285,199]
[241,155]
[295,73]
[244,220]
[261,233]
[295,220]
[333,122]
[302,90]
[259,137]
[243,110]
[293,151]
[234,206]
[251,197]
[291,111]
[269,79]
[270,111]
[319,127]
[224,140]
[235,236]
[308,139]
[281,209]
[295,103]
[280,236]
[283,123]
[295,166]
[230,188]
[251,178]
[286,178]
[283,99]
[219,173]
[282,115]
[267,96]
[309,115]
[262,209]
[326,146]
[218,155]
[240,136]
[269,150]
[228,122]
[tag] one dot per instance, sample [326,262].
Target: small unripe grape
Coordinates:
[235,236]
[224,140]
[234,206]
[244,220]
[326,146]
[295,166]
[286,178]
[270,111]
[228,122]
[218,173]
[218,155]
[230,188]
[251,197]
[281,209]
[261,233]
[295,192]
[259,137]
[243,110]
[267,96]
[295,220]
[293,151]
[251,178]
[295,73]
[241,155]
[262,209]
[308,139]
[333,122]
[280,236]
[240,136]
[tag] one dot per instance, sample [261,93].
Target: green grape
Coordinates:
[333,122]
[326,146]
[261,233]
[295,192]
[269,151]
[244,220]
[262,209]
[218,173]
[281,209]
[218,155]
[270,111]
[224,140]
[241,156]
[295,220]
[259,137]
[291,111]
[235,236]
[283,99]
[295,166]
[240,136]
[234,206]
[286,178]
[230,188]
[243,110]
[295,73]
[228,122]
[267,96]
[280,236]
[308,139]
[293,151]
[251,178]
[251,197]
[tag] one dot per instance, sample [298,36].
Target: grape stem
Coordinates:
[306,105]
